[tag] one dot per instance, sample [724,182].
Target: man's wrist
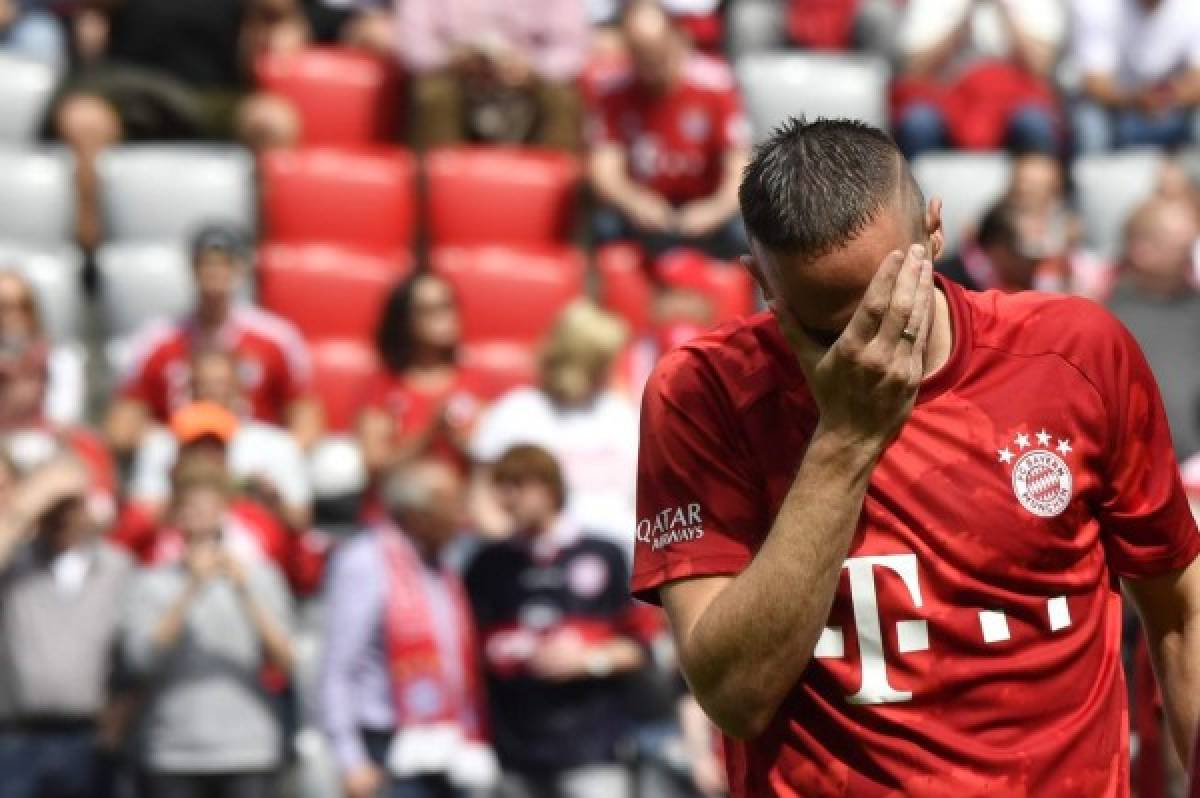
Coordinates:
[844,451]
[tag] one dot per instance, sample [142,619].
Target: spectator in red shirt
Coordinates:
[273,360]
[670,143]
[424,402]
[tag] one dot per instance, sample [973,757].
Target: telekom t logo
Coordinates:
[911,635]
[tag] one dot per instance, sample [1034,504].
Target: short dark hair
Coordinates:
[998,227]
[811,187]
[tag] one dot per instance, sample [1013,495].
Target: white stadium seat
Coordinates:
[777,85]
[968,184]
[25,90]
[1109,188]
[164,192]
[141,282]
[755,26]
[37,196]
[56,276]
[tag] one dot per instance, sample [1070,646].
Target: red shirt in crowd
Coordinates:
[415,409]
[676,143]
[973,645]
[273,363]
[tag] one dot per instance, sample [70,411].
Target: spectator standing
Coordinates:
[263,457]
[670,141]
[424,403]
[21,326]
[1159,304]
[1141,73]
[492,71]
[61,592]
[556,619]
[29,30]
[574,413]
[976,75]
[273,361]
[199,633]
[399,686]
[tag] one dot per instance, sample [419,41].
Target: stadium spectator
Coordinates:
[839,24]
[1140,61]
[669,144]
[424,402]
[61,592]
[1051,230]
[554,613]
[273,362]
[399,685]
[198,633]
[1003,256]
[1159,304]
[976,75]
[500,72]
[21,326]
[29,30]
[575,414]
[166,70]
[263,457]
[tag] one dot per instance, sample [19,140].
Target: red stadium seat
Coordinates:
[510,293]
[342,374]
[328,291]
[344,97]
[498,195]
[496,367]
[360,199]
[624,287]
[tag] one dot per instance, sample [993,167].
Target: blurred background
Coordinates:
[279,278]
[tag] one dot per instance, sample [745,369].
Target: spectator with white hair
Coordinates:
[400,697]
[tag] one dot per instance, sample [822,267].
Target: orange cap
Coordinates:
[203,419]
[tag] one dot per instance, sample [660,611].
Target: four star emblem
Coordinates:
[1022,442]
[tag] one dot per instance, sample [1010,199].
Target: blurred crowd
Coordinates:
[226,570]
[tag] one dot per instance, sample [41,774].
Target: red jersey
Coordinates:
[414,410]
[273,363]
[973,643]
[676,143]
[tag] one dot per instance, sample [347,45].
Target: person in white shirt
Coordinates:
[976,74]
[590,429]
[264,456]
[1140,61]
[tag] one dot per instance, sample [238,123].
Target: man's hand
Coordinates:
[651,212]
[364,781]
[701,217]
[866,383]
[560,658]
[204,561]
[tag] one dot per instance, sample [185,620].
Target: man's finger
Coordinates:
[926,307]
[875,302]
[899,316]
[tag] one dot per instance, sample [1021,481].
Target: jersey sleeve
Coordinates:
[733,129]
[1147,524]
[696,502]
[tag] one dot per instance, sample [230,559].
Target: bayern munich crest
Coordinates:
[1041,478]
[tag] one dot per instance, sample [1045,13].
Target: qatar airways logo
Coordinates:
[680,524]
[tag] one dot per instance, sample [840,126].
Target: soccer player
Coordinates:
[889,519]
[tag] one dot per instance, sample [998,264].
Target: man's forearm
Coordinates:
[752,643]
[1176,656]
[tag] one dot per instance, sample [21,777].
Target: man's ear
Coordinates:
[934,229]
[751,264]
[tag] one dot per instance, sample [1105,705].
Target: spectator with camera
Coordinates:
[62,589]
[198,634]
